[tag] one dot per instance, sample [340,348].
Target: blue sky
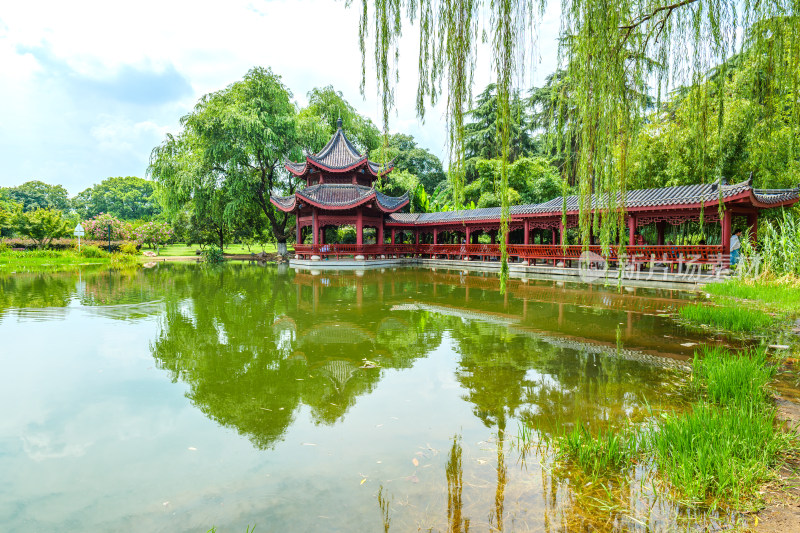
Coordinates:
[89,87]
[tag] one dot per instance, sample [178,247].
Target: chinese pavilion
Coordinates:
[339,191]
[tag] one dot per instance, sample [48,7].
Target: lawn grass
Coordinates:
[738,319]
[182,250]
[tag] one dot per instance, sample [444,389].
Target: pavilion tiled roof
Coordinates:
[639,198]
[340,196]
[339,155]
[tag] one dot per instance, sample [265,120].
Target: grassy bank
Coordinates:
[770,294]
[52,260]
[748,307]
[720,452]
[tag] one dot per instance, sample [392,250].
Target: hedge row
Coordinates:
[67,244]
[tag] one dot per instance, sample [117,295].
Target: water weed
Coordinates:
[610,450]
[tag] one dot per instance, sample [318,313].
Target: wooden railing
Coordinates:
[529,253]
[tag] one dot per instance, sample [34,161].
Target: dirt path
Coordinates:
[782,513]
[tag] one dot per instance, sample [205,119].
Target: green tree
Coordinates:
[408,156]
[739,134]
[532,180]
[7,209]
[230,153]
[41,225]
[33,195]
[481,133]
[325,107]
[128,198]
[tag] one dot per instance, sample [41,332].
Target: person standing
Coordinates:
[736,245]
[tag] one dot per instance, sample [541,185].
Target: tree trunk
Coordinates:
[282,250]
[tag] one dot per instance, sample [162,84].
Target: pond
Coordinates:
[181,397]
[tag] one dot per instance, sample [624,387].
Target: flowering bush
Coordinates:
[98,228]
[153,233]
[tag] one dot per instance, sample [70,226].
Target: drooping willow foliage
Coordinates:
[618,58]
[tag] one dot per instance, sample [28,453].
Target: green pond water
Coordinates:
[182,397]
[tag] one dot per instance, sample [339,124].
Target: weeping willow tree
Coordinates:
[615,56]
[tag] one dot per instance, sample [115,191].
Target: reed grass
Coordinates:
[737,319]
[729,444]
[733,379]
[719,454]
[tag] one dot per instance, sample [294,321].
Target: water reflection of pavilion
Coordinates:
[583,313]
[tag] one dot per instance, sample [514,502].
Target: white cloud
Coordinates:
[89,87]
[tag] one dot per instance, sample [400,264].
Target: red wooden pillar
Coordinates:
[726,231]
[527,232]
[315,226]
[492,236]
[468,231]
[297,229]
[660,227]
[394,241]
[553,239]
[321,234]
[631,230]
[360,228]
[379,231]
[435,236]
[561,233]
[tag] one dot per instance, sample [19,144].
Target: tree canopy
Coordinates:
[410,157]
[318,122]
[229,155]
[128,198]
[35,194]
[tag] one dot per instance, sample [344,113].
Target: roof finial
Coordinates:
[339,123]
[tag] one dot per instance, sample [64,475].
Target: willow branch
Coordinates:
[628,28]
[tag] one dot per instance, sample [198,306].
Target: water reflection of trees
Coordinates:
[256,343]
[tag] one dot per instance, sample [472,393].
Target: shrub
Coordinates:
[129,248]
[213,255]
[121,260]
[3,247]
[41,225]
[93,252]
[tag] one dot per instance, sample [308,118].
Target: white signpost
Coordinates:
[79,233]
